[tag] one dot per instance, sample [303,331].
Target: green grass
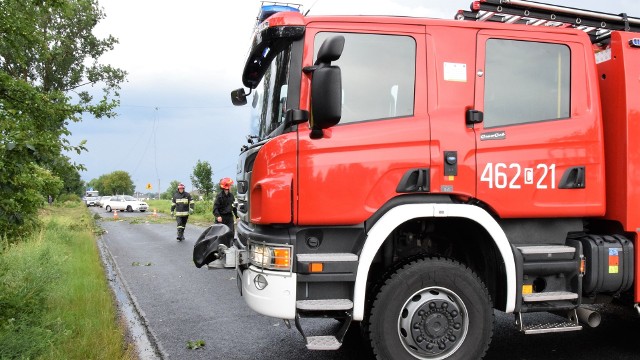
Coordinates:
[55,302]
[203,214]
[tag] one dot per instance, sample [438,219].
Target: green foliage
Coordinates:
[202,178]
[117,182]
[54,299]
[48,56]
[203,207]
[171,189]
[68,198]
[69,175]
[50,44]
[27,275]
[195,344]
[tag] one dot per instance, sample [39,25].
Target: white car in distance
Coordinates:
[125,202]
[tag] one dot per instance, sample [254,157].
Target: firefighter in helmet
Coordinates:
[223,207]
[181,208]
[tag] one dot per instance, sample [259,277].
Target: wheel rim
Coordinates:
[433,323]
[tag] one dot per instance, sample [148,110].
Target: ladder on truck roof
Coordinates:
[597,24]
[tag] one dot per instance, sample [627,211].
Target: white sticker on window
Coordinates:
[455,72]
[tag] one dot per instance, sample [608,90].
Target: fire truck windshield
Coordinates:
[270,96]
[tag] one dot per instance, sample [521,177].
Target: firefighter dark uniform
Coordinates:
[181,207]
[223,209]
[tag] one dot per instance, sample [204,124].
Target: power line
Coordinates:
[155,148]
[144,152]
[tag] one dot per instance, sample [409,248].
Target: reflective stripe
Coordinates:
[182,213]
[182,201]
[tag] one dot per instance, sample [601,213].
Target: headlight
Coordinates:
[260,255]
[274,257]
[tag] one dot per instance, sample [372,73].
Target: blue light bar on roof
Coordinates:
[268,10]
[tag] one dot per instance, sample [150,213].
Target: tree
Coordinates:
[68,173]
[202,178]
[117,182]
[171,189]
[48,58]
[97,184]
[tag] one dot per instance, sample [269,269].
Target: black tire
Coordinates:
[129,208]
[142,210]
[431,308]
[108,208]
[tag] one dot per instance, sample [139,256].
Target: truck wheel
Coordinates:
[108,208]
[431,308]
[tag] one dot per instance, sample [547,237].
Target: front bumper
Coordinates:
[277,299]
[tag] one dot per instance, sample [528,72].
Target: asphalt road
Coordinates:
[181,303]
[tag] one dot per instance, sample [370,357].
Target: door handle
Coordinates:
[474,117]
[573,178]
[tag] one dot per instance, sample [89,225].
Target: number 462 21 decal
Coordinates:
[514,176]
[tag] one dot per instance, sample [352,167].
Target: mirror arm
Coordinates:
[295,117]
[309,69]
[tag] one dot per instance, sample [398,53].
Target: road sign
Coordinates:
[149,187]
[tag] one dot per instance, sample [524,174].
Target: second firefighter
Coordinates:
[223,207]
[181,208]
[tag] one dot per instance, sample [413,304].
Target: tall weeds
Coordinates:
[55,302]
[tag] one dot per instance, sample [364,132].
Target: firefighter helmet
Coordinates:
[225,183]
[180,186]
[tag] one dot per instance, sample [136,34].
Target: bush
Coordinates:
[203,207]
[64,198]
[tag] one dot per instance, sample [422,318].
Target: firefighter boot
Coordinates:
[180,234]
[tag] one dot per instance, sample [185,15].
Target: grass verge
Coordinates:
[55,302]
[203,214]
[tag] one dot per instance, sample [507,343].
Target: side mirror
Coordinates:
[326,97]
[238,97]
[326,87]
[330,50]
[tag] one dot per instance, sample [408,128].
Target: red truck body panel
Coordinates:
[619,72]
[359,163]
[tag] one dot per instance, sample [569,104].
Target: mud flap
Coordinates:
[207,246]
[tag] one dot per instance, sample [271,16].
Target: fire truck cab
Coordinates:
[415,174]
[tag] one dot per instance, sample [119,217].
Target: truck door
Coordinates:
[357,165]
[539,148]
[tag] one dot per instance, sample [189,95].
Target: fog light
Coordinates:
[260,282]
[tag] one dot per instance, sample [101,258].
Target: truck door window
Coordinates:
[270,96]
[525,82]
[378,75]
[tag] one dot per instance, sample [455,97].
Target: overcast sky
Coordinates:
[183,59]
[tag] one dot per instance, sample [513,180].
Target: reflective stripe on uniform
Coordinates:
[182,213]
[182,201]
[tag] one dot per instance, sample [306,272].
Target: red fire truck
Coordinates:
[412,175]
